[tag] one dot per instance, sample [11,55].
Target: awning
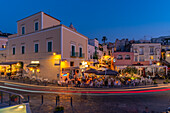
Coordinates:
[8,63]
[33,65]
[91,71]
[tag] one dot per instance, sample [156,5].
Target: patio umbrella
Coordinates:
[108,72]
[91,71]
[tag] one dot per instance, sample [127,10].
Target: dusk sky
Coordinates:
[131,19]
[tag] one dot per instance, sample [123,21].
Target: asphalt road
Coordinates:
[156,102]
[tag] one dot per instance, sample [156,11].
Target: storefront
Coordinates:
[33,68]
[11,68]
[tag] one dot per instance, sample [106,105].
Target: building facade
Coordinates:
[146,53]
[43,43]
[123,58]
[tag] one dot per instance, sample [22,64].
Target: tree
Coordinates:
[130,70]
[104,39]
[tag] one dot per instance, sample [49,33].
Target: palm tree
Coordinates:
[104,39]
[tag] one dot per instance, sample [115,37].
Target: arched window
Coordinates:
[119,57]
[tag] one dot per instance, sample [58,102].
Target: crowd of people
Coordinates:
[103,81]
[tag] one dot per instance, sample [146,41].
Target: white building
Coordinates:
[146,53]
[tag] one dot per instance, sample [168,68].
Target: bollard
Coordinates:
[1,97]
[19,100]
[71,101]
[42,99]
[9,99]
[56,100]
[28,98]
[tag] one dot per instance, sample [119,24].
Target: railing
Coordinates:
[11,99]
[81,55]
[151,53]
[142,53]
[77,54]
[73,54]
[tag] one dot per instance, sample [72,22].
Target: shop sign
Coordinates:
[57,62]
[35,62]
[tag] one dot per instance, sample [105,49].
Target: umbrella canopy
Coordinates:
[108,72]
[91,71]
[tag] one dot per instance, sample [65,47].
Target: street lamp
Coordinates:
[158,64]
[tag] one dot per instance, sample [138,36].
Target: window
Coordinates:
[73,50]
[36,26]
[141,52]
[119,57]
[3,46]
[13,50]
[141,58]
[127,57]
[151,50]
[136,58]
[49,45]
[72,63]
[80,52]
[135,51]
[151,57]
[36,48]
[109,52]
[23,30]
[22,49]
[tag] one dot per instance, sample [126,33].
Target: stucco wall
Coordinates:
[72,37]
[46,59]
[49,21]
[29,23]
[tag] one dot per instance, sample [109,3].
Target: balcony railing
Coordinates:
[73,54]
[77,54]
[151,53]
[142,53]
[81,55]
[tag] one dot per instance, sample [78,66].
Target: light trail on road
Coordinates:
[90,92]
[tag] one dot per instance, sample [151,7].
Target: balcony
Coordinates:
[151,53]
[73,54]
[141,53]
[81,55]
[77,54]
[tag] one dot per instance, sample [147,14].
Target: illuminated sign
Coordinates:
[35,62]
[57,62]
[65,75]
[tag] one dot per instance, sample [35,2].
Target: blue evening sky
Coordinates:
[131,19]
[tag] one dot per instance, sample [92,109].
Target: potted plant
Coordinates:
[14,98]
[59,109]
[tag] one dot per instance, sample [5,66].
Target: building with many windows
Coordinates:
[46,47]
[146,53]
